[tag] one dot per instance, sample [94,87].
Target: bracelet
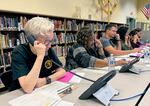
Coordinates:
[48,80]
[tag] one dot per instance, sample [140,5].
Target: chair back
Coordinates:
[6,78]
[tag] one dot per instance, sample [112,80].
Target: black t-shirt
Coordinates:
[23,59]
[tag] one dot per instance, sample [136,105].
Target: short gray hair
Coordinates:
[37,26]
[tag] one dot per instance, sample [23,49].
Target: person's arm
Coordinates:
[86,60]
[118,45]
[103,63]
[29,81]
[100,63]
[112,50]
[99,45]
[58,74]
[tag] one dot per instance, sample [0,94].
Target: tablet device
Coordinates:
[99,83]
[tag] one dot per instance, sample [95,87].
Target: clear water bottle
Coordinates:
[146,55]
[111,62]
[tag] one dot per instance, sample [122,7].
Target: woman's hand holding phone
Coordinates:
[40,48]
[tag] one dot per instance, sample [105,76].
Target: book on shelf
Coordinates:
[22,38]
[61,37]
[7,58]
[21,24]
[55,39]
[58,24]
[9,42]
[8,23]
[1,60]
[74,26]
[70,37]
[144,26]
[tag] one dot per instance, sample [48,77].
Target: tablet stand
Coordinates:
[135,70]
[105,94]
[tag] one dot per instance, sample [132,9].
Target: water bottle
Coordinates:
[111,62]
[146,55]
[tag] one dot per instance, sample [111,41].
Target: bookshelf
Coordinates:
[65,31]
[143,25]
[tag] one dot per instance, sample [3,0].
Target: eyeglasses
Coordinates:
[47,42]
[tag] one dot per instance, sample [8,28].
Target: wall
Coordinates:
[126,8]
[70,8]
[140,15]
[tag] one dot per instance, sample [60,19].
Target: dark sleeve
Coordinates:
[18,65]
[83,58]
[54,57]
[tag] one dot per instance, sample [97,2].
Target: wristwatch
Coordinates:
[48,80]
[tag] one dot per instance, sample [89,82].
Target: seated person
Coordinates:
[97,49]
[79,55]
[134,39]
[125,38]
[32,65]
[140,34]
[109,47]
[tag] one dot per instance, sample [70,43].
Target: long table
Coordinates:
[127,84]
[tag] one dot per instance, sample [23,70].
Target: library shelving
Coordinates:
[145,26]
[65,31]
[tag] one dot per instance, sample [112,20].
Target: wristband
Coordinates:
[48,80]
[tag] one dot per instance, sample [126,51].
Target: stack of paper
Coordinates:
[44,96]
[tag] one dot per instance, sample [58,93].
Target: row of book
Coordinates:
[61,50]
[58,24]
[61,37]
[18,23]
[101,26]
[8,41]
[73,25]
[8,23]
[144,26]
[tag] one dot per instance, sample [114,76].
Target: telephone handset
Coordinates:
[31,39]
[129,66]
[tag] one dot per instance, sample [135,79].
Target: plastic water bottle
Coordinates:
[146,55]
[111,62]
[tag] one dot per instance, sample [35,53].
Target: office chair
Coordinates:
[6,79]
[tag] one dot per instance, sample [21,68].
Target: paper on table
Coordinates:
[105,93]
[76,79]
[52,88]
[44,96]
[35,99]
[65,103]
[136,54]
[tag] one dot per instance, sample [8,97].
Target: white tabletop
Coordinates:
[126,83]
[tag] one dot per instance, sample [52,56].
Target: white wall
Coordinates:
[67,8]
[126,8]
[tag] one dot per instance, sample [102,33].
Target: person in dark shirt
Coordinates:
[140,34]
[33,65]
[80,55]
[134,39]
[125,38]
